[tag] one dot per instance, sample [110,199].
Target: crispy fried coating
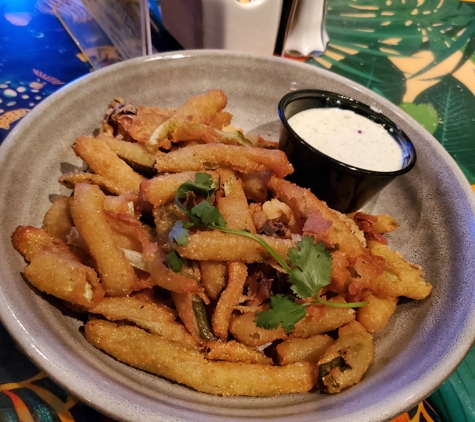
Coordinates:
[187,366]
[132,153]
[164,276]
[29,240]
[303,349]
[197,119]
[345,362]
[400,278]
[217,246]
[376,314]
[55,270]
[214,277]
[162,189]
[70,180]
[104,161]
[244,329]
[141,126]
[342,231]
[237,274]
[122,234]
[64,277]
[232,202]
[58,221]
[202,108]
[184,305]
[321,319]
[233,351]
[255,185]
[122,204]
[117,275]
[239,158]
[155,319]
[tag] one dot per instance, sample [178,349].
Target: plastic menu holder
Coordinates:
[92,41]
[124,24]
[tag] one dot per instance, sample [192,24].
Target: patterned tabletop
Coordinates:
[419,54]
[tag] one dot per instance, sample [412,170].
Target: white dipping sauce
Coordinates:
[348,137]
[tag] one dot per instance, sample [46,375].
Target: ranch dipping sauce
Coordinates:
[349,138]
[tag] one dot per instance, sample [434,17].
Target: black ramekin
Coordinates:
[343,187]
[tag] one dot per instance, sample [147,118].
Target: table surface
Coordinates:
[419,54]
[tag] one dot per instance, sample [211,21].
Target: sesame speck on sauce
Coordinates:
[348,137]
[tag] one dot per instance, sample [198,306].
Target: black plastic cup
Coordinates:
[342,186]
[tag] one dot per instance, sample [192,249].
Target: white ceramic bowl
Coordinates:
[415,353]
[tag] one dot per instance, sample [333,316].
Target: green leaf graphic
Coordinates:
[454,104]
[424,114]
[401,28]
[376,73]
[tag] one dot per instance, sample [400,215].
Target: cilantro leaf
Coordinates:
[179,234]
[207,214]
[284,311]
[174,261]
[202,186]
[203,214]
[314,268]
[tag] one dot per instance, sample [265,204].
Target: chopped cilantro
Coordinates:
[283,311]
[202,186]
[314,264]
[174,261]
[208,215]
[179,234]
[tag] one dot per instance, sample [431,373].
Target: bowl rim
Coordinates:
[301,94]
